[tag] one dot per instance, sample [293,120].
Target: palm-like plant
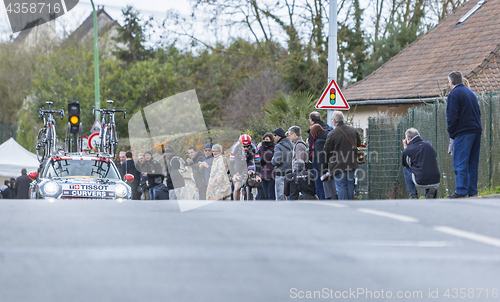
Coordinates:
[286,108]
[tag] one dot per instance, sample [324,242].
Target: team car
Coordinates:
[88,176]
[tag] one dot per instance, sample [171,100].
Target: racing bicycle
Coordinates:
[47,138]
[107,135]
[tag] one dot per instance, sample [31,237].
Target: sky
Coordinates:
[77,15]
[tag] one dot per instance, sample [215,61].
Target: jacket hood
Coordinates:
[285,142]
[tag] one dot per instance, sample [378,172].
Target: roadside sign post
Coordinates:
[93,140]
[332,52]
[332,99]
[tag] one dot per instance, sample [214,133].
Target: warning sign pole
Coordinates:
[332,52]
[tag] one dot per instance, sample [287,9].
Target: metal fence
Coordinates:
[384,143]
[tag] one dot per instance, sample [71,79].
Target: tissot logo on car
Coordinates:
[88,187]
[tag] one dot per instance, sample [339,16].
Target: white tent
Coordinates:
[13,157]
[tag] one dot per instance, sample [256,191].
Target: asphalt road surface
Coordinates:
[388,250]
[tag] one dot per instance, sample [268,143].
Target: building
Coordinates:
[108,31]
[38,33]
[467,41]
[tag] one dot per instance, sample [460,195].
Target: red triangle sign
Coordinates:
[332,98]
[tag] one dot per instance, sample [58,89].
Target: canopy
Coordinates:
[13,157]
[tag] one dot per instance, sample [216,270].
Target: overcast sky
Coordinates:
[76,16]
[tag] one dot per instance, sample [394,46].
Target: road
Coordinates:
[97,250]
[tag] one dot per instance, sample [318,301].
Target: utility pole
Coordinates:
[332,52]
[96,63]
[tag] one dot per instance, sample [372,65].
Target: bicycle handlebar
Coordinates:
[42,112]
[108,111]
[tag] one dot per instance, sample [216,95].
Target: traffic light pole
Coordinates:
[332,52]
[96,63]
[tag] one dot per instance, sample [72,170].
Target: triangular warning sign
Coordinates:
[332,98]
[96,128]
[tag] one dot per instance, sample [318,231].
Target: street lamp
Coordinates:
[96,63]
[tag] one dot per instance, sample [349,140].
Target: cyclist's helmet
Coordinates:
[245,139]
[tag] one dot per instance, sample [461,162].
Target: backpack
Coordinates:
[182,164]
[309,165]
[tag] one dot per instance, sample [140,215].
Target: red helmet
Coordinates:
[245,139]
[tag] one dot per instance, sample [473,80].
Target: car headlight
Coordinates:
[51,188]
[121,190]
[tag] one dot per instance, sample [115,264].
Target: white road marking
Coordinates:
[325,203]
[396,243]
[468,235]
[389,215]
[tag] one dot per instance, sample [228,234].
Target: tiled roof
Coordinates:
[88,25]
[421,69]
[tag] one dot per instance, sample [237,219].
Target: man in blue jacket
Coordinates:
[421,167]
[463,116]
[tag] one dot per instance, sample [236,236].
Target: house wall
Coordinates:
[362,113]
[43,35]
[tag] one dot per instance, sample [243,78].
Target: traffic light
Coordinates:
[332,96]
[74,116]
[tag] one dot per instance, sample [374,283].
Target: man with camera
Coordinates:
[420,165]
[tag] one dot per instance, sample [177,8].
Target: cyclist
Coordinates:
[244,153]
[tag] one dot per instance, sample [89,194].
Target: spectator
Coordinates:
[153,172]
[282,161]
[315,118]
[122,163]
[7,191]
[13,187]
[299,185]
[463,116]
[259,187]
[319,158]
[205,167]
[219,186]
[193,160]
[175,181]
[251,183]
[421,167]
[23,185]
[299,146]
[129,168]
[141,167]
[266,152]
[341,150]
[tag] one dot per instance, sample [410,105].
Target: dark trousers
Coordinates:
[268,189]
[408,174]
[466,163]
[136,195]
[320,192]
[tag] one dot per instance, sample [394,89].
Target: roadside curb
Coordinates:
[492,196]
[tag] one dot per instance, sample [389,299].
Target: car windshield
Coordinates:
[80,168]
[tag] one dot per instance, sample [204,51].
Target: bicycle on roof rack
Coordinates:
[47,138]
[108,140]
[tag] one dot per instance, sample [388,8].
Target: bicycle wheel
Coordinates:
[242,193]
[102,135]
[108,141]
[41,145]
[53,138]
[113,142]
[49,144]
